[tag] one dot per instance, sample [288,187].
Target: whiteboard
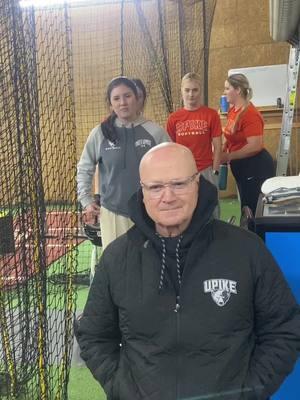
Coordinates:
[268,83]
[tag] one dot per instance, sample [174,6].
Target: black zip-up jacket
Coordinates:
[233,333]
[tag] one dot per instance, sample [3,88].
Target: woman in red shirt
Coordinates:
[198,127]
[250,162]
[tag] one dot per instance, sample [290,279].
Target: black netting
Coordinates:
[38,212]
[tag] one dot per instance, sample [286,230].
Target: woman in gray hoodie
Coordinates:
[116,146]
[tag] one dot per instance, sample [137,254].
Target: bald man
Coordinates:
[184,306]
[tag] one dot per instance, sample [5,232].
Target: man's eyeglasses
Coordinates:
[178,186]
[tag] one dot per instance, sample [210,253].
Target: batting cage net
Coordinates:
[38,211]
[56,62]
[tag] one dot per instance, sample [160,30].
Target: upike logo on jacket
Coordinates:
[220,290]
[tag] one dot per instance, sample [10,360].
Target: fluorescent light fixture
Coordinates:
[46,3]
[51,3]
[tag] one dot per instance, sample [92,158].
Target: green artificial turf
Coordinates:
[230,208]
[82,385]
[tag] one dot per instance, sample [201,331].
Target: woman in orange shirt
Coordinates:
[250,162]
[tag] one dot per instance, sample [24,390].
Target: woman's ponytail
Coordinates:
[108,128]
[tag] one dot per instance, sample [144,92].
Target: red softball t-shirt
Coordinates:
[195,130]
[237,130]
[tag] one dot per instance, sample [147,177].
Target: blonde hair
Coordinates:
[192,76]
[240,81]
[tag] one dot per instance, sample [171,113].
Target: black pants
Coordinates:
[250,173]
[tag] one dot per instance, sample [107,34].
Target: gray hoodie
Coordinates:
[118,163]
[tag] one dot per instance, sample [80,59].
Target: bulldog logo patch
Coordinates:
[220,290]
[112,146]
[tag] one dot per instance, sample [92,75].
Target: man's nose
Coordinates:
[168,194]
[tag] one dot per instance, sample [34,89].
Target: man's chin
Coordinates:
[172,214]
[170,222]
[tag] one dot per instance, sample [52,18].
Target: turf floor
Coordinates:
[82,385]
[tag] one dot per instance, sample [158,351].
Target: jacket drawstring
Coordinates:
[163,262]
[178,261]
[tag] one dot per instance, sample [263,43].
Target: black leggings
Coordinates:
[250,173]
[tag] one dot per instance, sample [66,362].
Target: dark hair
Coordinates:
[120,80]
[140,85]
[108,129]
[107,126]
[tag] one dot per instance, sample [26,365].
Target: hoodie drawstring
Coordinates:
[178,260]
[163,262]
